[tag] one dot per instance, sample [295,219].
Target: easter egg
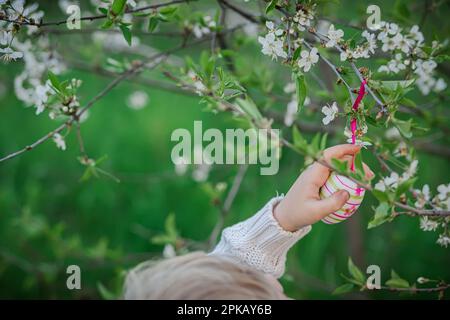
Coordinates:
[338,182]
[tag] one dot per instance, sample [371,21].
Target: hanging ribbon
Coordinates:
[353,123]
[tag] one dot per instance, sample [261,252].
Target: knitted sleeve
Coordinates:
[260,242]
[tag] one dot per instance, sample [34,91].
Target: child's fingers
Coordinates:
[324,207]
[340,150]
[369,173]
[319,173]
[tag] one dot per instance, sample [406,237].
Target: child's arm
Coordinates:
[263,240]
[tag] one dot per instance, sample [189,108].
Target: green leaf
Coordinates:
[405,186]
[126,34]
[169,10]
[296,54]
[314,147]
[323,141]
[340,166]
[152,23]
[395,84]
[298,139]
[355,272]
[249,108]
[407,102]
[404,127]
[118,6]
[396,281]
[54,81]
[300,89]
[105,293]
[359,164]
[381,216]
[343,289]
[170,226]
[107,24]
[272,4]
[380,195]
[103,10]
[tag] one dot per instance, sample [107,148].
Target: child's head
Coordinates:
[199,276]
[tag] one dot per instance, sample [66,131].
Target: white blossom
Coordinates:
[308,59]
[270,25]
[137,100]
[371,41]
[411,171]
[200,88]
[271,46]
[388,182]
[394,66]
[330,113]
[291,112]
[416,35]
[402,43]
[289,87]
[169,251]
[200,30]
[59,140]
[443,240]
[423,196]
[181,165]
[41,97]
[440,85]
[201,172]
[347,54]
[334,36]
[389,44]
[358,142]
[427,224]
[303,18]
[444,191]
[9,54]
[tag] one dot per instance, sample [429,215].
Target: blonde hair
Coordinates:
[198,276]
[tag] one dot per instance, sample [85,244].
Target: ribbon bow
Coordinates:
[353,123]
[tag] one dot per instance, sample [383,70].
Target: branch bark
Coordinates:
[92,18]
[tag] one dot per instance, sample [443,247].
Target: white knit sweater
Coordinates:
[260,242]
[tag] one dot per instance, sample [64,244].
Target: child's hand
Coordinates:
[302,205]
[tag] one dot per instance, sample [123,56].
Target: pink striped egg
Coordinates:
[335,183]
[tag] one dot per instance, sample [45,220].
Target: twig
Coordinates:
[355,69]
[80,140]
[92,18]
[413,290]
[227,204]
[334,68]
[241,12]
[422,212]
[135,69]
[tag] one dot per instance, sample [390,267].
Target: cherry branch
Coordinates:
[91,18]
[439,288]
[335,70]
[136,68]
[355,69]
[225,209]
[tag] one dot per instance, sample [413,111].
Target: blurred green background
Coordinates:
[49,219]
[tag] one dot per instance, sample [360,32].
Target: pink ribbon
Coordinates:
[353,123]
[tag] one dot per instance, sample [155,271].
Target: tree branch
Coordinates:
[92,18]
[137,67]
[227,204]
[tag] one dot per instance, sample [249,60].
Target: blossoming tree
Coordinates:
[320,62]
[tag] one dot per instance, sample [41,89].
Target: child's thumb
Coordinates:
[333,203]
